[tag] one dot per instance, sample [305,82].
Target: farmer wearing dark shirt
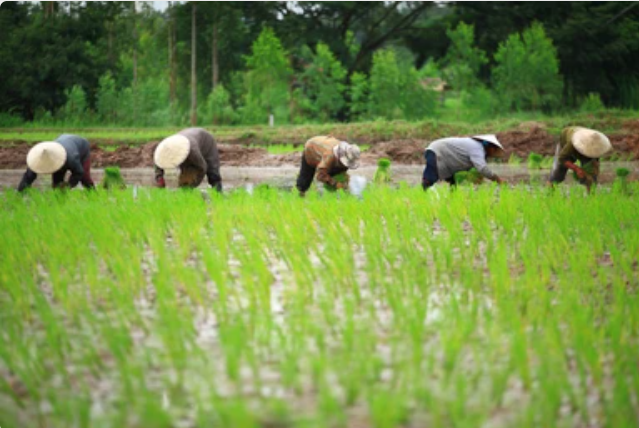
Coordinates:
[195,152]
[66,153]
[583,145]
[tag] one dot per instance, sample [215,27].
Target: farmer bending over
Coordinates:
[195,152]
[329,157]
[447,156]
[583,145]
[66,153]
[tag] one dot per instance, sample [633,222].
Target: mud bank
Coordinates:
[527,138]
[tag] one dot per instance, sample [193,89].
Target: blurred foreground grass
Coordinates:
[492,307]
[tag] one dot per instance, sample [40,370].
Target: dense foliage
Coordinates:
[117,63]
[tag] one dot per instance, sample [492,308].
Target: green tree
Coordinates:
[107,99]
[359,96]
[463,60]
[527,72]
[74,110]
[219,108]
[322,84]
[385,86]
[267,80]
[396,91]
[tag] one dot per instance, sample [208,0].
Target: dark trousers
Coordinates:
[57,177]
[430,175]
[306,175]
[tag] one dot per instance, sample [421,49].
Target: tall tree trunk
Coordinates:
[110,55]
[215,64]
[193,70]
[135,62]
[172,65]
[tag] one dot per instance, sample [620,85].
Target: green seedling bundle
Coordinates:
[491,306]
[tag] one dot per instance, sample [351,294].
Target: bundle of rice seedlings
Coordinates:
[112,178]
[535,160]
[382,175]
[342,177]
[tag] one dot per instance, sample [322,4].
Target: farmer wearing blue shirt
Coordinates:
[65,153]
[447,156]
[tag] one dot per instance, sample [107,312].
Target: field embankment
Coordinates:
[402,142]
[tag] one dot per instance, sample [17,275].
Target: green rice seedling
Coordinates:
[383,175]
[112,179]
[513,159]
[621,181]
[472,176]
[535,160]
[339,178]
[485,305]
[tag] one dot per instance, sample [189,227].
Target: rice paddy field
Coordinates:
[478,307]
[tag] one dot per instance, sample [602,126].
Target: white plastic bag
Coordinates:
[356,185]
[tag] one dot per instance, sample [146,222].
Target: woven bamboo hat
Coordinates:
[172,151]
[491,138]
[46,157]
[348,154]
[590,143]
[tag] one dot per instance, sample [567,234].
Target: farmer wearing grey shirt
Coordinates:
[447,156]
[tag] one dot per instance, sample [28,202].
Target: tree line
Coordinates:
[128,63]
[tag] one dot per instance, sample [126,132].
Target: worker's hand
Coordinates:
[342,186]
[501,180]
[581,174]
[159,182]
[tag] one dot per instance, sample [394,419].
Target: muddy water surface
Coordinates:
[284,176]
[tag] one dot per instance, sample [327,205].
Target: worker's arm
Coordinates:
[323,175]
[159,177]
[478,159]
[27,179]
[571,165]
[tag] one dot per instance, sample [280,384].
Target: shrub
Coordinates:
[592,103]
[527,71]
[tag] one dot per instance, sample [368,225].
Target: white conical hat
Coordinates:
[348,154]
[46,157]
[592,144]
[491,138]
[172,151]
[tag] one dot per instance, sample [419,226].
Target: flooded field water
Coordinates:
[284,176]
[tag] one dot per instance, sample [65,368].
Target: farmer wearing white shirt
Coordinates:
[447,156]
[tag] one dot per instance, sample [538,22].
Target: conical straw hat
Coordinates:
[46,157]
[592,144]
[491,138]
[172,151]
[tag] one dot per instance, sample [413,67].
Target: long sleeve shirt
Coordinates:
[460,154]
[319,154]
[203,156]
[78,150]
